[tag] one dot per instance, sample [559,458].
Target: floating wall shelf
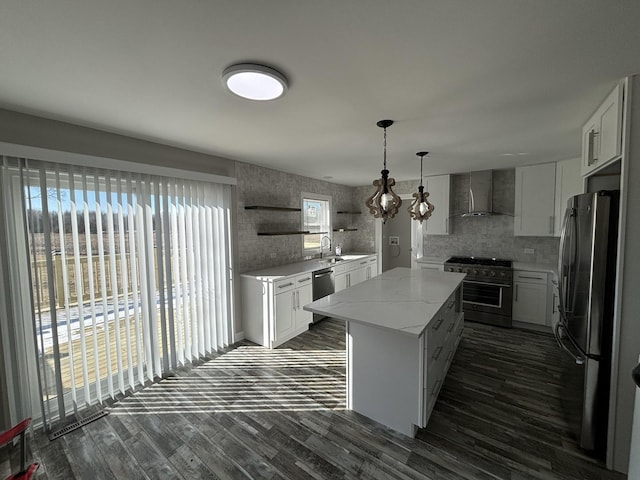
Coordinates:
[273,234]
[268,207]
[345,229]
[290,232]
[348,212]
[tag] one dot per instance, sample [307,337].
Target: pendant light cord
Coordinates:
[385,149]
[421,158]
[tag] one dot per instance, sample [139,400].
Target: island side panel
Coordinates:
[384,376]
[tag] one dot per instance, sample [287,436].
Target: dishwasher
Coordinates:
[323,285]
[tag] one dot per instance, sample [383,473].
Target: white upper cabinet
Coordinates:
[569,182]
[535,204]
[602,133]
[439,188]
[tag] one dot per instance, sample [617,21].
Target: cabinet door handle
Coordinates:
[363,263]
[304,280]
[516,299]
[450,356]
[438,324]
[436,354]
[532,278]
[436,387]
[285,285]
[451,304]
[553,303]
[591,150]
[453,324]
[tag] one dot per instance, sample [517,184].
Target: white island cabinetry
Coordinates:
[403,328]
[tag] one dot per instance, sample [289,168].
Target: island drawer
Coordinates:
[442,325]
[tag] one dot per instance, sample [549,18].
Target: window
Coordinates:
[316,218]
[129,275]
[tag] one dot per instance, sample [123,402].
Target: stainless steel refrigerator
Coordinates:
[586,276]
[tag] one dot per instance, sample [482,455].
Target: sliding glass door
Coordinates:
[130,276]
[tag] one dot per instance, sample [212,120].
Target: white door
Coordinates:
[284,314]
[304,296]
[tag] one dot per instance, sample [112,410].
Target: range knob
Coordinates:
[502,274]
[492,273]
[475,272]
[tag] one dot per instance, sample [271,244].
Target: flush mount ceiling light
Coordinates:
[384,203]
[254,82]
[421,208]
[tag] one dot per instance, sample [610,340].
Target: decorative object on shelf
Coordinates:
[421,208]
[384,203]
[254,82]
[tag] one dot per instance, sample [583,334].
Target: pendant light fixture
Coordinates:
[384,203]
[420,209]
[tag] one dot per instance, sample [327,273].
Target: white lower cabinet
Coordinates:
[350,273]
[530,292]
[272,310]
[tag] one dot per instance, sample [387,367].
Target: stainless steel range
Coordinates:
[486,290]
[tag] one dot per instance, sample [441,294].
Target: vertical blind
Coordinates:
[130,277]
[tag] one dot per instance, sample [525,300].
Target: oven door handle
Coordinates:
[505,285]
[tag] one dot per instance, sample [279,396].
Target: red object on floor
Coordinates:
[25,472]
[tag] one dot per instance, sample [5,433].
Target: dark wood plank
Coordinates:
[254,413]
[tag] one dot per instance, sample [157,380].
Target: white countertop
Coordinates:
[403,299]
[438,260]
[535,267]
[274,273]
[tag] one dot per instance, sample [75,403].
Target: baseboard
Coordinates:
[238,336]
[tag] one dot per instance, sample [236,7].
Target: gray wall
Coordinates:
[489,236]
[44,133]
[263,186]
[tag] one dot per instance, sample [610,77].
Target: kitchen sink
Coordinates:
[331,260]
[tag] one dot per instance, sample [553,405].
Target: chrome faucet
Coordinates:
[321,245]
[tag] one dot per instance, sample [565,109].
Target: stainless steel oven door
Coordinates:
[487,297]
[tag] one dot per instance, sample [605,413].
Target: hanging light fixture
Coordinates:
[384,203]
[420,209]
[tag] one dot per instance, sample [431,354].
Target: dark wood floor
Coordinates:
[255,413]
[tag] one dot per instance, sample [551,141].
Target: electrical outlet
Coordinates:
[273,255]
[529,251]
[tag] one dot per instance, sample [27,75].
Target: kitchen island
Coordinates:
[403,328]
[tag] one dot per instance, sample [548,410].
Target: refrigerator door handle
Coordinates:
[560,327]
[563,241]
[556,333]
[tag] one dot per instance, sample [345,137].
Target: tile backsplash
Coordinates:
[478,236]
[489,236]
[264,186]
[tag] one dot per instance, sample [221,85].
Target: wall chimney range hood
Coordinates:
[480,194]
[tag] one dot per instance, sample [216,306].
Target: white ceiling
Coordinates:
[468,80]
